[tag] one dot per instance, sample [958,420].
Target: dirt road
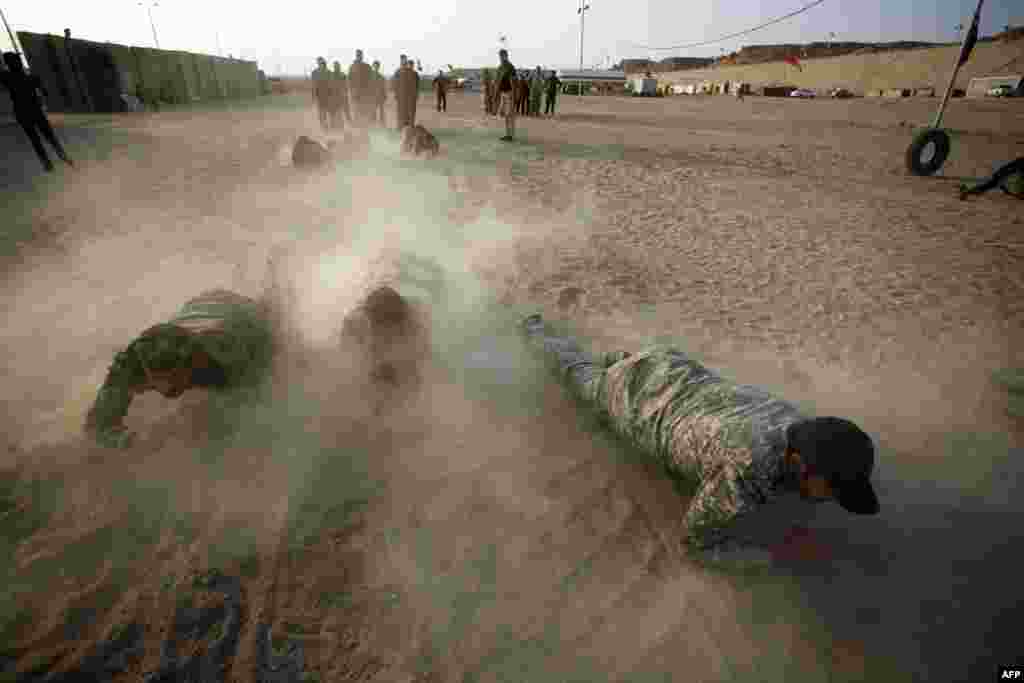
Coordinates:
[489,532]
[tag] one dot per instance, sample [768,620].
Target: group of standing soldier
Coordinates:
[358,97]
[508,93]
[529,92]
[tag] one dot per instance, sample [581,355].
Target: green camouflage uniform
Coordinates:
[730,438]
[233,330]
[536,92]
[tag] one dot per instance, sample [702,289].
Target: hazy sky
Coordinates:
[289,35]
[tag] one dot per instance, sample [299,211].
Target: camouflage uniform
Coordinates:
[362,92]
[339,107]
[536,91]
[322,95]
[730,438]
[235,331]
[1009,176]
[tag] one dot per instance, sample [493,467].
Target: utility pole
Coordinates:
[582,11]
[14,43]
[152,25]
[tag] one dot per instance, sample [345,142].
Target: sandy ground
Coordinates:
[487,531]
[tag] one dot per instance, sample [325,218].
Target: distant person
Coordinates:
[551,87]
[322,92]
[441,91]
[1009,176]
[521,95]
[507,78]
[28,109]
[536,91]
[407,84]
[361,90]
[487,90]
[381,90]
[339,107]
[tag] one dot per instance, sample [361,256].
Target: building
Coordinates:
[593,81]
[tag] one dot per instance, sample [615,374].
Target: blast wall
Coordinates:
[85,76]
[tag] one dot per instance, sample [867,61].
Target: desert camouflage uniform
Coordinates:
[730,438]
[234,330]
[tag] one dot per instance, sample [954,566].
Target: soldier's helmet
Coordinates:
[321,61]
[165,347]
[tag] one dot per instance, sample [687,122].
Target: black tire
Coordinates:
[918,161]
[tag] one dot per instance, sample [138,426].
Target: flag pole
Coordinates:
[970,36]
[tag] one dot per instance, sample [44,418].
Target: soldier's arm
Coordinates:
[105,420]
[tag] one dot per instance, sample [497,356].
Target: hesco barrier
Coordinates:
[86,76]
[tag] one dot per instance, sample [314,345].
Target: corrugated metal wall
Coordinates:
[84,76]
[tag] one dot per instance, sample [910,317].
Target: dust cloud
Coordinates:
[501,532]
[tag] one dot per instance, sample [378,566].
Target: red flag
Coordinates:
[794,62]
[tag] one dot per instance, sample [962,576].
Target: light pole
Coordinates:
[959,32]
[150,4]
[582,11]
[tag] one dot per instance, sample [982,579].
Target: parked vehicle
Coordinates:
[802,92]
[1000,91]
[841,93]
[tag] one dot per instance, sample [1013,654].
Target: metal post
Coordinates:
[582,11]
[956,69]
[152,25]
[14,43]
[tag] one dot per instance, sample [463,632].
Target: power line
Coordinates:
[731,35]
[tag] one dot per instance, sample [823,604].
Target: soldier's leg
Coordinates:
[47,130]
[29,126]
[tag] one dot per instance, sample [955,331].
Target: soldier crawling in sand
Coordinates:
[418,141]
[220,341]
[391,339]
[742,447]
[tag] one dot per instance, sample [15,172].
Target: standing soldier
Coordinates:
[322,92]
[360,85]
[381,90]
[407,83]
[522,94]
[28,110]
[441,90]
[507,78]
[487,89]
[339,98]
[552,85]
[742,447]
[536,91]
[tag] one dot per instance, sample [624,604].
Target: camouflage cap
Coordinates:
[164,347]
